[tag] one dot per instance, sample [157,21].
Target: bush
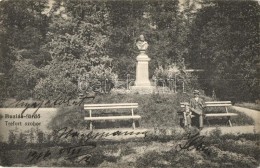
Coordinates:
[72,117]
[168,74]
[24,77]
[53,87]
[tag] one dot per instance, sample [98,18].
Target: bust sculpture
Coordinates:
[142,82]
[141,44]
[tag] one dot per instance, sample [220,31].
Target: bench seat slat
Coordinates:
[113,104]
[109,107]
[112,118]
[220,114]
[218,102]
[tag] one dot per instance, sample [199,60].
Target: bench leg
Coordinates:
[207,121]
[201,121]
[90,125]
[133,124]
[229,121]
[185,122]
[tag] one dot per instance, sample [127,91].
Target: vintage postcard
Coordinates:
[129,83]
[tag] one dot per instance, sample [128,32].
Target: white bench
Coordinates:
[106,107]
[225,113]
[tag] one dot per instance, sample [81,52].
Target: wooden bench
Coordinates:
[224,104]
[106,107]
[223,113]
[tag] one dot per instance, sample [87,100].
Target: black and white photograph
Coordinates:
[130,83]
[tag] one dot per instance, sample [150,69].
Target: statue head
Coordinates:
[141,38]
[141,44]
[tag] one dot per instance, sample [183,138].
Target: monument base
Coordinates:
[143,89]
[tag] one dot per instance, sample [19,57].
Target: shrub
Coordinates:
[71,81]
[11,137]
[72,117]
[168,74]
[22,139]
[52,87]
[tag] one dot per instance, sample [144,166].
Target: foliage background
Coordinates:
[39,44]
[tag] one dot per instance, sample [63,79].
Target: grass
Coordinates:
[253,106]
[225,151]
[156,110]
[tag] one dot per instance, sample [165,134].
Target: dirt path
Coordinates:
[251,113]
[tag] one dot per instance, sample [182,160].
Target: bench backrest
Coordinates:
[211,104]
[111,106]
[218,103]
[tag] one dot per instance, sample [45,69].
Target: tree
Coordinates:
[77,35]
[223,41]
[166,41]
[126,19]
[23,29]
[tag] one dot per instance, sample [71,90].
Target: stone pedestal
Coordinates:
[142,82]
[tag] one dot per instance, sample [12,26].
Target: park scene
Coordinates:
[134,83]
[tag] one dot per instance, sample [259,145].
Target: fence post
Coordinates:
[163,86]
[105,85]
[155,79]
[183,86]
[127,81]
[175,83]
[214,97]
[171,81]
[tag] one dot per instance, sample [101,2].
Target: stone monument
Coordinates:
[142,83]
